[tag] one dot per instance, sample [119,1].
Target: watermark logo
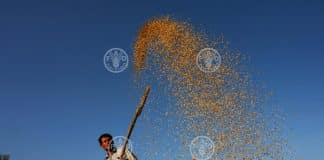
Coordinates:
[202,148]
[116,60]
[120,140]
[208,60]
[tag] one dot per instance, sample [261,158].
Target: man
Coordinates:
[106,142]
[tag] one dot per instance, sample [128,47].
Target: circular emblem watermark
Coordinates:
[120,140]
[208,60]
[202,148]
[116,60]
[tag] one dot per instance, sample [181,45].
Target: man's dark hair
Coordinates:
[103,136]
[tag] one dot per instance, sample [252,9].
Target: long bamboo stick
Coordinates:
[133,122]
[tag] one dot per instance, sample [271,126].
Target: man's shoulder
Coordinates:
[128,154]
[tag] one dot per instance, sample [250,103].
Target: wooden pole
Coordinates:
[133,122]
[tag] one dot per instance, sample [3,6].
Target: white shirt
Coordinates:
[128,155]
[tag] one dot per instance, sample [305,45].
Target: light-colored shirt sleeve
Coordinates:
[127,156]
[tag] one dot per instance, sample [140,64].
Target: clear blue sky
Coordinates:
[56,96]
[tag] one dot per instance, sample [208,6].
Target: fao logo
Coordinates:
[116,60]
[202,148]
[208,60]
[120,140]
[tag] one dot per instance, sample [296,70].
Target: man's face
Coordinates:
[105,142]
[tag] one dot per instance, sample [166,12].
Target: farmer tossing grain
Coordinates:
[112,153]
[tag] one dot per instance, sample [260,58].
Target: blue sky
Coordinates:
[56,96]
